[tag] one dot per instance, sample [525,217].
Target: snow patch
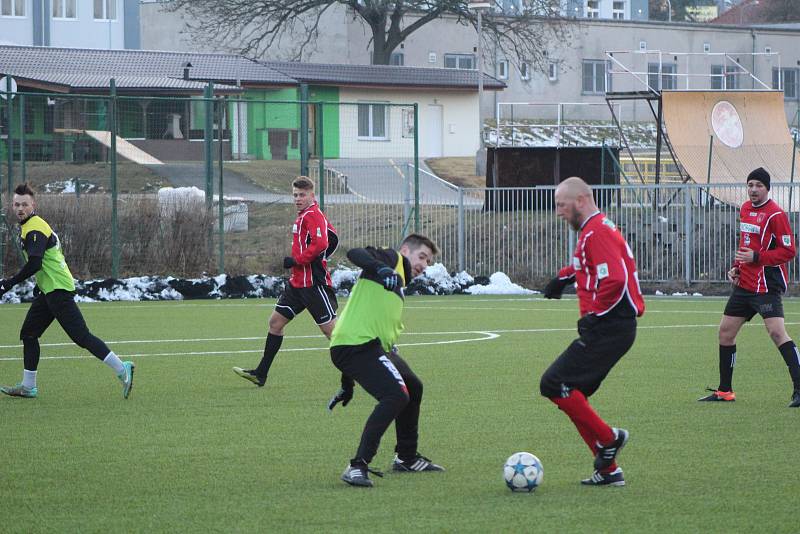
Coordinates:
[499,284]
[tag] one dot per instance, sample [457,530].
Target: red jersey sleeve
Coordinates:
[784,242]
[566,273]
[314,233]
[603,252]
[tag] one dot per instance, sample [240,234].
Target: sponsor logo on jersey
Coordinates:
[753,213]
[750,228]
[602,271]
[608,222]
[294,228]
[746,239]
[319,232]
[787,240]
[576,263]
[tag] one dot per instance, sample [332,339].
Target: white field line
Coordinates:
[487,336]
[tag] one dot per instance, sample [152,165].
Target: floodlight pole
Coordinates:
[479,6]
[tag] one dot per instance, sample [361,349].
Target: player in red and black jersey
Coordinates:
[759,279]
[604,273]
[314,240]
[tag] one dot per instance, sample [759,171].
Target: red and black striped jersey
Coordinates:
[765,230]
[604,270]
[314,240]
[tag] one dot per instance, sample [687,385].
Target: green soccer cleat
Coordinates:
[126,378]
[250,375]
[20,391]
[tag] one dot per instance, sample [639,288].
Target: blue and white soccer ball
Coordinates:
[523,472]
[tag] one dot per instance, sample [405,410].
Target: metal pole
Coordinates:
[603,163]
[22,138]
[791,175]
[208,138]
[304,129]
[320,155]
[461,239]
[710,153]
[221,204]
[112,117]
[416,167]
[687,234]
[9,138]
[480,79]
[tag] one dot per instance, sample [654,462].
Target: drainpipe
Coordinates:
[755,74]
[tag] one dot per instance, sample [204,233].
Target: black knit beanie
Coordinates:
[761,175]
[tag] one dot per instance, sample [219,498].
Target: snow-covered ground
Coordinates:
[434,281]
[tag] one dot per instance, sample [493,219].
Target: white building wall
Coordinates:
[86,32]
[18,30]
[459,132]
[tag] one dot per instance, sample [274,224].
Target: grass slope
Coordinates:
[196,448]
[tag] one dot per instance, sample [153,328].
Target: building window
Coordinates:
[706,47]
[618,9]
[12,8]
[459,61]
[524,71]
[592,9]
[105,9]
[552,71]
[668,79]
[786,77]
[594,77]
[372,121]
[502,69]
[724,78]
[65,9]
[397,58]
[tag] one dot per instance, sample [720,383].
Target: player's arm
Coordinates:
[35,246]
[784,250]
[556,286]
[315,226]
[376,265]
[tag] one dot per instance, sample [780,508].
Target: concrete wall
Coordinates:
[18,30]
[448,123]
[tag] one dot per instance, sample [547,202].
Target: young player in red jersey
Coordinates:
[607,284]
[314,240]
[759,278]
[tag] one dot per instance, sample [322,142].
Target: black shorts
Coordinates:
[57,305]
[743,303]
[589,359]
[320,301]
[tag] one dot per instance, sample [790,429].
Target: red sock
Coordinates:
[590,426]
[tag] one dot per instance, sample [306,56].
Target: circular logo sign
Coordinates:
[726,124]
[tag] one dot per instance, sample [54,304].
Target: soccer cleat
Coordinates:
[614,478]
[606,455]
[416,464]
[795,399]
[357,474]
[20,391]
[718,396]
[250,374]
[126,377]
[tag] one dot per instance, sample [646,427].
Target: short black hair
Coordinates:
[414,241]
[303,182]
[24,189]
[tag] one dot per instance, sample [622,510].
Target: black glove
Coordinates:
[389,278]
[587,322]
[344,395]
[288,262]
[555,287]
[5,285]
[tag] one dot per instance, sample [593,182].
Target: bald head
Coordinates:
[574,201]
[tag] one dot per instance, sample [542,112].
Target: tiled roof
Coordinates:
[81,68]
[383,75]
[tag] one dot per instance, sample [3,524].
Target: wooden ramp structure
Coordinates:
[124,148]
[739,130]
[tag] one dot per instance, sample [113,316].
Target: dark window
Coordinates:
[398,58]
[789,76]
[459,61]
[668,80]
[594,77]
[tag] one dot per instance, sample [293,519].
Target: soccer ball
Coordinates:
[523,472]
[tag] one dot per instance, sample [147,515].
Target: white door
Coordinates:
[433,131]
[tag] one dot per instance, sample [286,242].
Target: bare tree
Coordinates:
[782,11]
[523,31]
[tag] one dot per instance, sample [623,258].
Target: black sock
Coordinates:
[792,358]
[271,348]
[727,360]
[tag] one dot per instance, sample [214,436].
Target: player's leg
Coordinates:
[37,320]
[738,310]
[368,365]
[406,424]
[322,305]
[776,327]
[69,316]
[288,306]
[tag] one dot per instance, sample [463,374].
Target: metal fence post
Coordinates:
[688,234]
[21,138]
[320,154]
[220,123]
[710,154]
[461,239]
[9,138]
[416,167]
[115,252]
[304,129]
[208,138]
[791,175]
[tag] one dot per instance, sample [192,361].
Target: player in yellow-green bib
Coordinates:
[55,300]
[363,349]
